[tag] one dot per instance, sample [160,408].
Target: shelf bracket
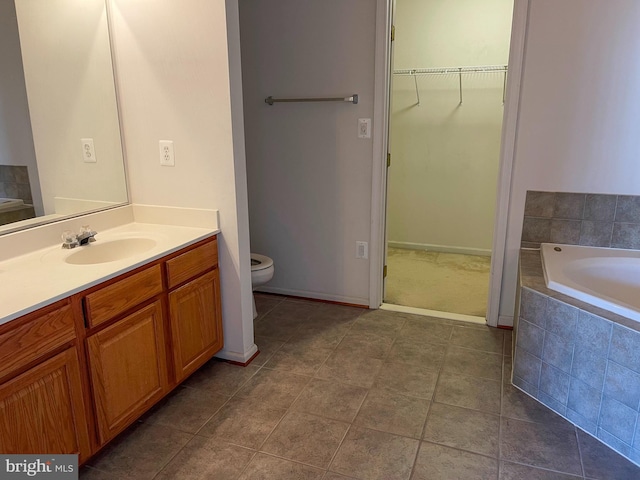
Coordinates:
[504,88]
[415,80]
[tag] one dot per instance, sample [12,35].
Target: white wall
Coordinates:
[68,74]
[578,126]
[442,183]
[309,175]
[176,86]
[16,140]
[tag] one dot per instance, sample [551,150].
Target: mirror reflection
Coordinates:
[60,145]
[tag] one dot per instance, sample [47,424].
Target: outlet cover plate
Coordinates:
[167,157]
[88,150]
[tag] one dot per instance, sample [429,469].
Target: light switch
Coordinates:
[364,128]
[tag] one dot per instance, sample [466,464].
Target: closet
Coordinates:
[448,89]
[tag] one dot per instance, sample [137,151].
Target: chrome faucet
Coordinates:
[71,240]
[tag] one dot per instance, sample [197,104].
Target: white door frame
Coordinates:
[507,153]
[380,149]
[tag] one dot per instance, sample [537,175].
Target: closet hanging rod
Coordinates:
[451,70]
[351,99]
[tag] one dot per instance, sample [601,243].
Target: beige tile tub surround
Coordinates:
[429,414]
[578,360]
[14,183]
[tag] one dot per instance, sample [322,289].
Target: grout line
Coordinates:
[255,453]
[464,347]
[493,457]
[579,451]
[544,469]
[415,458]
[333,457]
[500,417]
[173,456]
[324,470]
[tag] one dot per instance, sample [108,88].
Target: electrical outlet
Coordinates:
[364,128]
[88,150]
[167,158]
[362,250]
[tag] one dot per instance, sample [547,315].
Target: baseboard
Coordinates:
[354,301]
[237,357]
[441,248]
[243,364]
[505,321]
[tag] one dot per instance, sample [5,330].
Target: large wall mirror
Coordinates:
[60,143]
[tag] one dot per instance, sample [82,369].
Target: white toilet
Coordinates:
[261,272]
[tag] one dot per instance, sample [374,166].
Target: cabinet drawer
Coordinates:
[27,342]
[119,297]
[189,264]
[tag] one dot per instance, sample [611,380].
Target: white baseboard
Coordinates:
[505,320]
[237,356]
[318,296]
[441,248]
[433,313]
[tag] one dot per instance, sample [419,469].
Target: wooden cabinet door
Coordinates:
[128,369]
[42,410]
[196,323]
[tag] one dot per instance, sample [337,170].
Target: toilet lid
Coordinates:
[260,262]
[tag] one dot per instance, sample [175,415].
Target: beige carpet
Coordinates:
[446,282]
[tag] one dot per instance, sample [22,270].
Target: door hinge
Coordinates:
[384,272]
[388,160]
[393,32]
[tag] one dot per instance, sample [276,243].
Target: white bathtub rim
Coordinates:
[583,293]
[11,204]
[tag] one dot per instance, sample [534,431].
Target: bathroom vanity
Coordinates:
[78,371]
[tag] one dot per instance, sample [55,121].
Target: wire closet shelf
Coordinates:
[459,71]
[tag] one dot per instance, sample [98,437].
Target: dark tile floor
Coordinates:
[344,393]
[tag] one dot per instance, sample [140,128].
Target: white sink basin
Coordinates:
[109,251]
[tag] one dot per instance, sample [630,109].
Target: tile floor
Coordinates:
[342,393]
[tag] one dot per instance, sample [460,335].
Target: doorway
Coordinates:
[448,89]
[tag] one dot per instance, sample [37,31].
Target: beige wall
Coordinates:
[309,174]
[442,183]
[174,78]
[69,82]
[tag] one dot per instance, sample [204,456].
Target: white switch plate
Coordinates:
[88,150]
[364,128]
[362,250]
[167,158]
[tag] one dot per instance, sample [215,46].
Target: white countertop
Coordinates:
[41,277]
